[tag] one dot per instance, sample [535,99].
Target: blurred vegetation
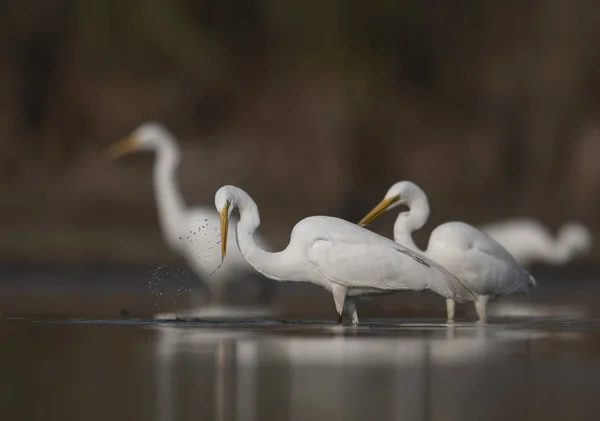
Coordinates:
[314,107]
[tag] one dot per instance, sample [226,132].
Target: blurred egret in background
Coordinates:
[337,255]
[529,241]
[476,259]
[191,232]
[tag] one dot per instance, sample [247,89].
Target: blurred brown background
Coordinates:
[313,107]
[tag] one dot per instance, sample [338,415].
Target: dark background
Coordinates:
[313,107]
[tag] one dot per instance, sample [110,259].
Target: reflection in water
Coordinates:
[260,376]
[218,353]
[545,370]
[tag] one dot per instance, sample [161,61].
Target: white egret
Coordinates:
[529,241]
[341,257]
[482,264]
[191,232]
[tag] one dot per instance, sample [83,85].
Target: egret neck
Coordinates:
[411,220]
[170,203]
[272,265]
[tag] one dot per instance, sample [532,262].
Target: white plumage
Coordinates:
[191,232]
[482,264]
[529,241]
[337,255]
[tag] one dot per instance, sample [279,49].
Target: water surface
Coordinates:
[271,370]
[80,344]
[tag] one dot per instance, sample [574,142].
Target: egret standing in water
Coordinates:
[482,264]
[191,232]
[334,254]
[529,241]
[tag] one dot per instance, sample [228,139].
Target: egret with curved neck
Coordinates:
[339,256]
[482,264]
[191,232]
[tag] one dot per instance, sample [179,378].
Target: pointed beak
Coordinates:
[123,147]
[378,210]
[224,229]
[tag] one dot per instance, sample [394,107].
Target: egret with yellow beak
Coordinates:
[339,256]
[191,232]
[481,264]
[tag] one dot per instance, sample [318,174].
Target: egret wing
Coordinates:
[483,264]
[497,275]
[385,266]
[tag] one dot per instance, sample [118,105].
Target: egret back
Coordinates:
[355,257]
[477,259]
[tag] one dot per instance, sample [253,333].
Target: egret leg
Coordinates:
[351,307]
[339,297]
[481,307]
[450,309]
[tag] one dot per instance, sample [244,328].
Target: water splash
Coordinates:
[167,282]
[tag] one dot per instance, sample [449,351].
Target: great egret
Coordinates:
[482,264]
[337,255]
[529,241]
[191,232]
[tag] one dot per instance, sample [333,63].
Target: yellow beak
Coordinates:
[123,147]
[378,210]
[224,228]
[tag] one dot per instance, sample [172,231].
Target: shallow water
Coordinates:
[66,354]
[270,370]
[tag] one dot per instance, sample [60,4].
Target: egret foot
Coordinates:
[450,304]
[339,293]
[351,307]
[481,308]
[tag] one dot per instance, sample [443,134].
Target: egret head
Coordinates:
[576,238]
[401,193]
[148,136]
[225,201]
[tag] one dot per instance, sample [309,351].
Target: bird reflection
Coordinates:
[212,360]
[263,374]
